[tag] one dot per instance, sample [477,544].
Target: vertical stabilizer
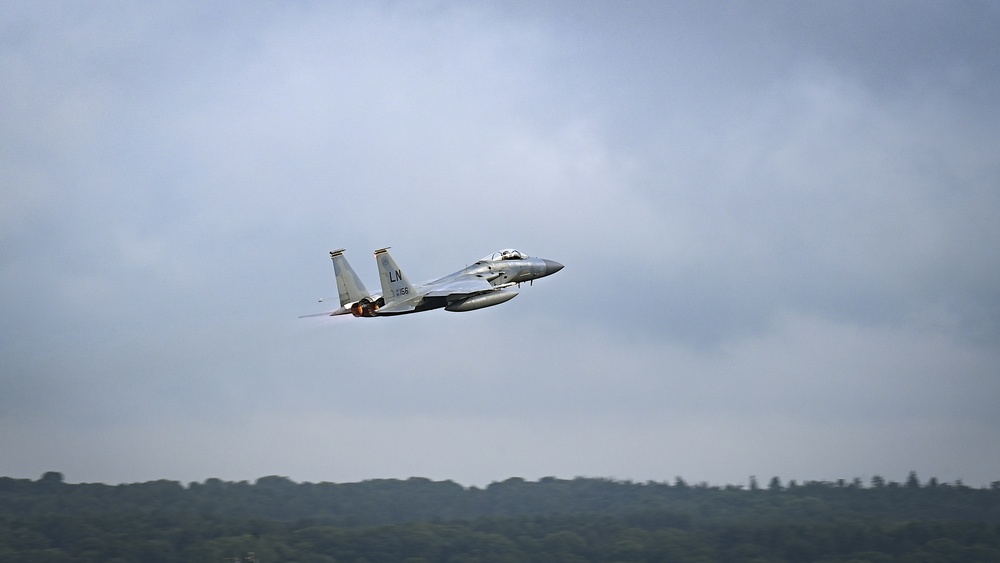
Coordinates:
[348,284]
[395,286]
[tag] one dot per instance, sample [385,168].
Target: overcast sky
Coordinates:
[778,221]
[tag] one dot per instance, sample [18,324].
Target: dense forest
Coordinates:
[419,520]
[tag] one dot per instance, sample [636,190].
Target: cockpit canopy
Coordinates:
[506,254]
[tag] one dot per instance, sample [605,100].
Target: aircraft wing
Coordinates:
[462,285]
[457,287]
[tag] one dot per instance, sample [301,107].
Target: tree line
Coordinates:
[581,519]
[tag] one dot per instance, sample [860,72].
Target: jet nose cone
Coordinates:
[551,267]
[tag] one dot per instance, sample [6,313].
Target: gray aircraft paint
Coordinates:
[485,283]
[349,285]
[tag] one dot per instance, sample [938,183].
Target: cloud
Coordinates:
[776,225]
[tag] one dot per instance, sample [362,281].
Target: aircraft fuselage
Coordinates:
[485,283]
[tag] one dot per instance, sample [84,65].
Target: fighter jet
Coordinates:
[486,283]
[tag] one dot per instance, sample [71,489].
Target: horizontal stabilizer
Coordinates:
[340,311]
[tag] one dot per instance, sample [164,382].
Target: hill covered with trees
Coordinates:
[582,519]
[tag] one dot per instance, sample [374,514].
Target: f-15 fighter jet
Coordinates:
[483,284]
